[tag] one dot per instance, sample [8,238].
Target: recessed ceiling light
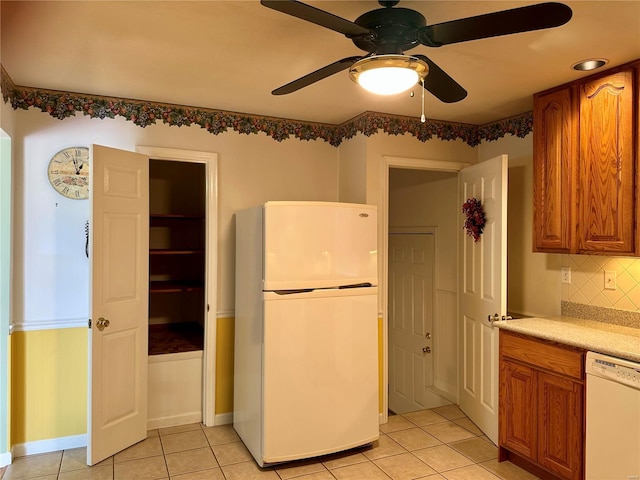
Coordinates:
[591,64]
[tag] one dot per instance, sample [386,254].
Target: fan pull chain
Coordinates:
[422,117]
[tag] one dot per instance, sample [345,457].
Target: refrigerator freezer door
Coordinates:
[319,244]
[320,373]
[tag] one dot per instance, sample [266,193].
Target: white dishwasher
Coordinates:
[613,418]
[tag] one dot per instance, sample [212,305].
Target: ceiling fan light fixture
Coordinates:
[388,74]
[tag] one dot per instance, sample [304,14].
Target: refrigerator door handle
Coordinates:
[357,285]
[307,290]
[293,292]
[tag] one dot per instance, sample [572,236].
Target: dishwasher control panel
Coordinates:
[619,370]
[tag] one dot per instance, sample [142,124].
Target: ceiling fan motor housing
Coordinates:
[394,30]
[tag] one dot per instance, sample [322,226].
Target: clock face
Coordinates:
[69,172]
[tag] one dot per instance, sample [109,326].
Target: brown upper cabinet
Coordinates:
[586,165]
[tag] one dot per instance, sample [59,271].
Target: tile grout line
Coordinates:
[410,425]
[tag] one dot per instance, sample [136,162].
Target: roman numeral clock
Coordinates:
[68,172]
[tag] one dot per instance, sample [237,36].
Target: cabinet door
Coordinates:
[517,417]
[560,444]
[554,144]
[607,164]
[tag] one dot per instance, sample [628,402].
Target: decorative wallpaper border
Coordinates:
[61,105]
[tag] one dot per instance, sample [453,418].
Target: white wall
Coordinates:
[406,146]
[51,270]
[353,169]
[533,279]
[427,198]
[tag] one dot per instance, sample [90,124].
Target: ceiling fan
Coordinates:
[386,33]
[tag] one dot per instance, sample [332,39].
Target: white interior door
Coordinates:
[117,413]
[411,283]
[483,292]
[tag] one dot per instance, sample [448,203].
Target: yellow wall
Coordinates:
[49,388]
[380,366]
[49,384]
[224,365]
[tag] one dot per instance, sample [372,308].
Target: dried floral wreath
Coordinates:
[476,220]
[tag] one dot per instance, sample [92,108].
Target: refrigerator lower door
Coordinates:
[320,373]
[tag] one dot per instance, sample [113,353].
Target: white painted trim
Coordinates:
[420,164]
[210,159]
[161,153]
[5,459]
[49,445]
[226,314]
[224,418]
[32,325]
[387,163]
[174,420]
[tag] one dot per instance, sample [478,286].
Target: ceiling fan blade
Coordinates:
[313,77]
[440,84]
[506,22]
[317,16]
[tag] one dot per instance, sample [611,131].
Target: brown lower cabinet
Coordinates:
[541,406]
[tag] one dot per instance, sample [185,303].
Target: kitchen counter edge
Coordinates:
[614,340]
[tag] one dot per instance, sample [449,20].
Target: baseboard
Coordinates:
[5,459]
[223,418]
[174,420]
[49,445]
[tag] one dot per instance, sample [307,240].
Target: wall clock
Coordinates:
[69,172]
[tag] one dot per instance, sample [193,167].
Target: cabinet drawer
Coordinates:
[543,354]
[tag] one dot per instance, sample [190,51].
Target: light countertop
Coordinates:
[607,338]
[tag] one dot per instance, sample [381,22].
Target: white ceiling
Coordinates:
[229,55]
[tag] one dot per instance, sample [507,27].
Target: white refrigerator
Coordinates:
[306,329]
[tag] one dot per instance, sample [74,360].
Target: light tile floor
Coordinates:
[441,443]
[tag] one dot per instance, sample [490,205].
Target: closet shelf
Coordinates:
[174,287]
[175,216]
[170,251]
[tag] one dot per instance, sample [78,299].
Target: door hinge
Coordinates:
[208,307]
[89,323]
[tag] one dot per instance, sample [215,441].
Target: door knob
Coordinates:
[102,323]
[426,349]
[427,335]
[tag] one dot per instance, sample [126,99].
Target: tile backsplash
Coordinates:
[588,281]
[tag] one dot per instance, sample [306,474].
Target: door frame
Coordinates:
[6,231]
[389,162]
[210,160]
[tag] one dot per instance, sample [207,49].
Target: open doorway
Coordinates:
[420,198]
[422,289]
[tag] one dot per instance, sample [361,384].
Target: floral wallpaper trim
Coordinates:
[7,87]
[61,105]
